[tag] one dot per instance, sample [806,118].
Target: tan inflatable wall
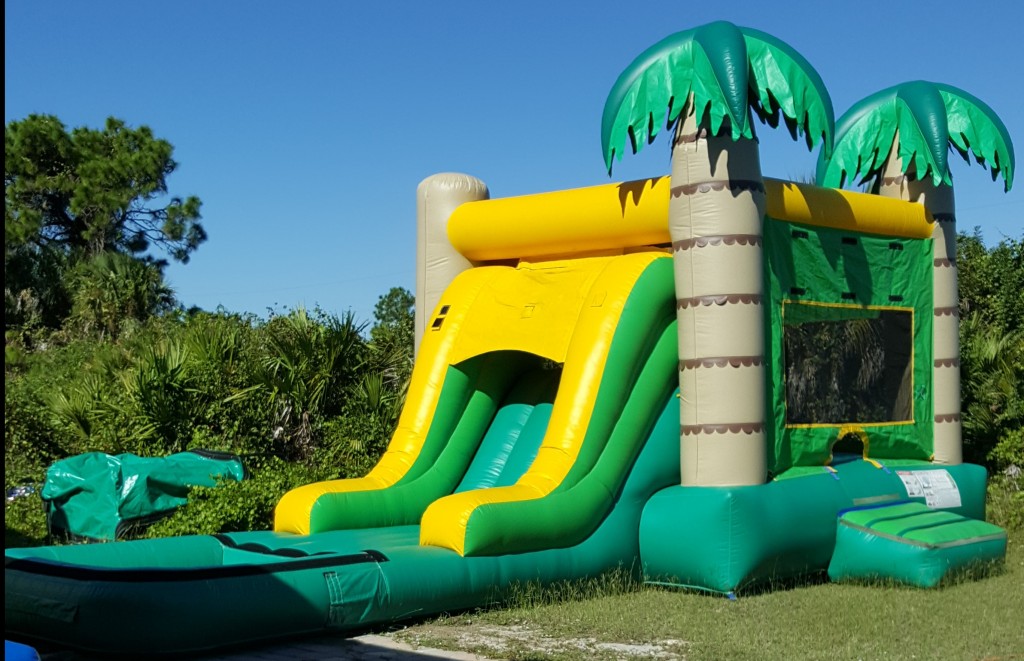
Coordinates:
[437,262]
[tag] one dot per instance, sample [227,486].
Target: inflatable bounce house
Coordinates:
[711,377]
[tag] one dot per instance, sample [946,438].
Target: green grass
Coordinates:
[968,619]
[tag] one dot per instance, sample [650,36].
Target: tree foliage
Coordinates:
[93,191]
[310,362]
[991,281]
[395,309]
[392,337]
[991,347]
[35,293]
[112,289]
[87,216]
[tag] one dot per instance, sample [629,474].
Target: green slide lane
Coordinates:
[518,428]
[494,387]
[533,525]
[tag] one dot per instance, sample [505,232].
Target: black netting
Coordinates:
[847,365]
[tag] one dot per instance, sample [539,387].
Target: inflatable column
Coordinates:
[437,262]
[939,201]
[716,212]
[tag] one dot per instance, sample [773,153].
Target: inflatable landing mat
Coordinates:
[911,543]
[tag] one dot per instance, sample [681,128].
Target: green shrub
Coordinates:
[308,364]
[236,506]
[352,444]
[991,280]
[1006,487]
[31,441]
[225,358]
[992,385]
[1008,454]
[25,521]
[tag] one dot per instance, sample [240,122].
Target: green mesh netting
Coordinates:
[849,344]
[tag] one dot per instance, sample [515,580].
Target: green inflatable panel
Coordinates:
[97,496]
[911,543]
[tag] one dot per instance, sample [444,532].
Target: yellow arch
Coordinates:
[865,442]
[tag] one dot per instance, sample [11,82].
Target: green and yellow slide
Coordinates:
[501,343]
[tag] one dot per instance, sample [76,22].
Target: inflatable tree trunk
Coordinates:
[715,220]
[722,73]
[939,201]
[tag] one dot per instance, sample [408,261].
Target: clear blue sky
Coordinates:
[305,127]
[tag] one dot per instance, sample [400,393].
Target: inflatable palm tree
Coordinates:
[705,82]
[898,140]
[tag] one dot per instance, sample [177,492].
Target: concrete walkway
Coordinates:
[370,647]
[362,648]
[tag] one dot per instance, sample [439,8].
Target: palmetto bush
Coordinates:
[226,352]
[307,366]
[113,291]
[992,385]
[81,408]
[161,390]
[299,386]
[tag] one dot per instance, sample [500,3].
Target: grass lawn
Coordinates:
[617,619]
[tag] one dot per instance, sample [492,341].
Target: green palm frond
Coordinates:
[929,118]
[728,70]
[975,127]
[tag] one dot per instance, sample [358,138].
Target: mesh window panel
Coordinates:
[847,364]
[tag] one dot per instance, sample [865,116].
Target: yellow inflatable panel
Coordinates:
[635,213]
[610,283]
[446,520]
[532,308]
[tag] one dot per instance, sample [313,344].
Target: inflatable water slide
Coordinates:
[540,441]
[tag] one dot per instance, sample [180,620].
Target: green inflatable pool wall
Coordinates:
[238,588]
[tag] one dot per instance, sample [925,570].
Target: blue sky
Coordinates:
[305,127]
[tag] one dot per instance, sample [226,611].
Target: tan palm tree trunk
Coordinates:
[939,200]
[715,219]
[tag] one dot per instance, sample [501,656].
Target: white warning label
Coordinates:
[936,487]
